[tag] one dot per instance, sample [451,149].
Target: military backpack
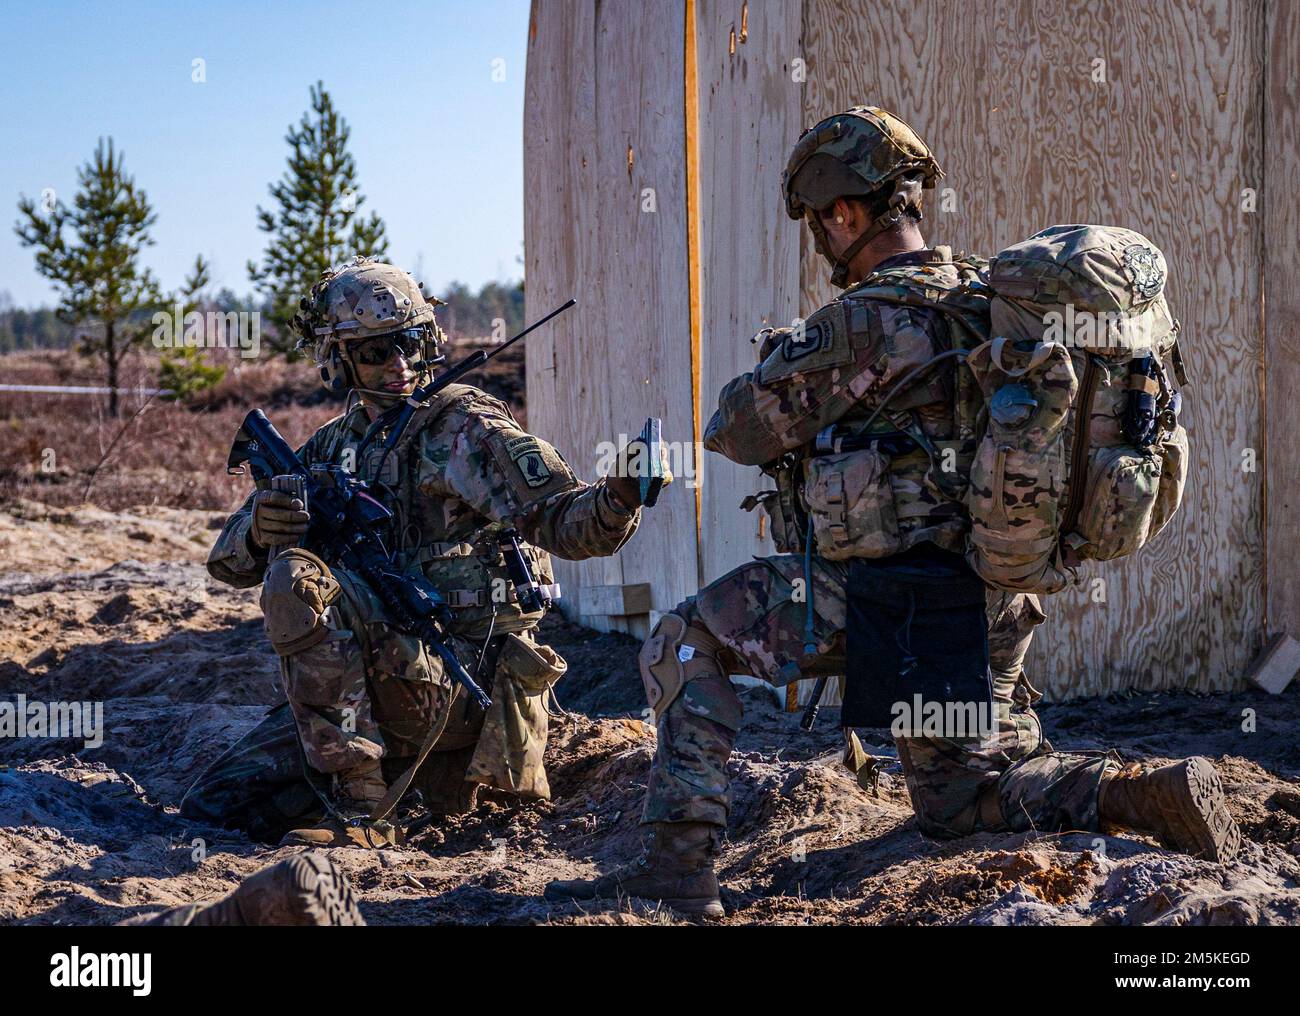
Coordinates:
[1082,455]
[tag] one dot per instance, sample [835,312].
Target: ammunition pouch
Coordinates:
[851,502]
[474,580]
[781,506]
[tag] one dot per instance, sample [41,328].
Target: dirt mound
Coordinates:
[91,834]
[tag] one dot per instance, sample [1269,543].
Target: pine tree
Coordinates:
[184,370]
[318,223]
[105,289]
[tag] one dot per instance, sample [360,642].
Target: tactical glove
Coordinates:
[624,481]
[279,519]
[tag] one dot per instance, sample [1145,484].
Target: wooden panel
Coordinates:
[1281,208]
[566,405]
[615,601]
[1005,96]
[750,111]
[605,190]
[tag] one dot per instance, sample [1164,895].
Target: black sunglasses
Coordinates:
[376,351]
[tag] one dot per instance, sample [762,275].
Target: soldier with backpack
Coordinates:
[889,420]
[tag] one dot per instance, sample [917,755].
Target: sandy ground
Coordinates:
[117,608]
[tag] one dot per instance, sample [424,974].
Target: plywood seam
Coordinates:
[1264,192]
[691,113]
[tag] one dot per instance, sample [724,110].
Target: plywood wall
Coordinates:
[1162,116]
[1281,375]
[1008,96]
[750,103]
[605,221]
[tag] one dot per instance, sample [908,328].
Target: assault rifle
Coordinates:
[346,529]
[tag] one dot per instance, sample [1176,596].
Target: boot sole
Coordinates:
[1206,827]
[323,893]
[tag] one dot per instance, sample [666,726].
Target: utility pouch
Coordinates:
[1020,464]
[917,647]
[513,741]
[782,508]
[851,503]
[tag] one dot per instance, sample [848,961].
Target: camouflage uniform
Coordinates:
[871,436]
[363,691]
[751,620]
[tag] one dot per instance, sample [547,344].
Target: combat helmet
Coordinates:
[364,299]
[864,150]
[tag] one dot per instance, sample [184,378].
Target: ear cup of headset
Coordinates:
[332,374]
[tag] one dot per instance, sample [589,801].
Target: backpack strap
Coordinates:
[1079,446]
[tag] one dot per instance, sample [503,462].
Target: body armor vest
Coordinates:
[455,547]
[893,471]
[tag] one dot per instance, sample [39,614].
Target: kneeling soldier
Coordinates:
[362,696]
[857,179]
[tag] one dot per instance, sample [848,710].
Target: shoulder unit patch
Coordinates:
[526,453]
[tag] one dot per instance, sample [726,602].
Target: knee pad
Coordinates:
[675,652]
[296,593]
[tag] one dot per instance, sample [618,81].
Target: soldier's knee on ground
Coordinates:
[676,652]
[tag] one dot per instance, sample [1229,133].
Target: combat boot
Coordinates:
[304,890]
[357,791]
[1181,804]
[675,868]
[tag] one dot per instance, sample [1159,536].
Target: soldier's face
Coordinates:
[393,375]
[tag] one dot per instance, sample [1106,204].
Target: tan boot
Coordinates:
[1181,804]
[675,868]
[304,890]
[357,791]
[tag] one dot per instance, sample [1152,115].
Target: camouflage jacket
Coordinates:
[837,368]
[464,469]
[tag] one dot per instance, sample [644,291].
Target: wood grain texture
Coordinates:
[750,112]
[1003,92]
[604,78]
[1281,214]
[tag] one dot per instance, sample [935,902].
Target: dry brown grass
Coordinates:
[165,454]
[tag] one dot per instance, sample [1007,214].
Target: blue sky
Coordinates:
[437,142]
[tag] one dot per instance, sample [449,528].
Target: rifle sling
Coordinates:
[399,788]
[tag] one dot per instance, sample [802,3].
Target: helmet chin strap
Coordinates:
[840,263]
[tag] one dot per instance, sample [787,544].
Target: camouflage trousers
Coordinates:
[1012,780]
[361,693]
